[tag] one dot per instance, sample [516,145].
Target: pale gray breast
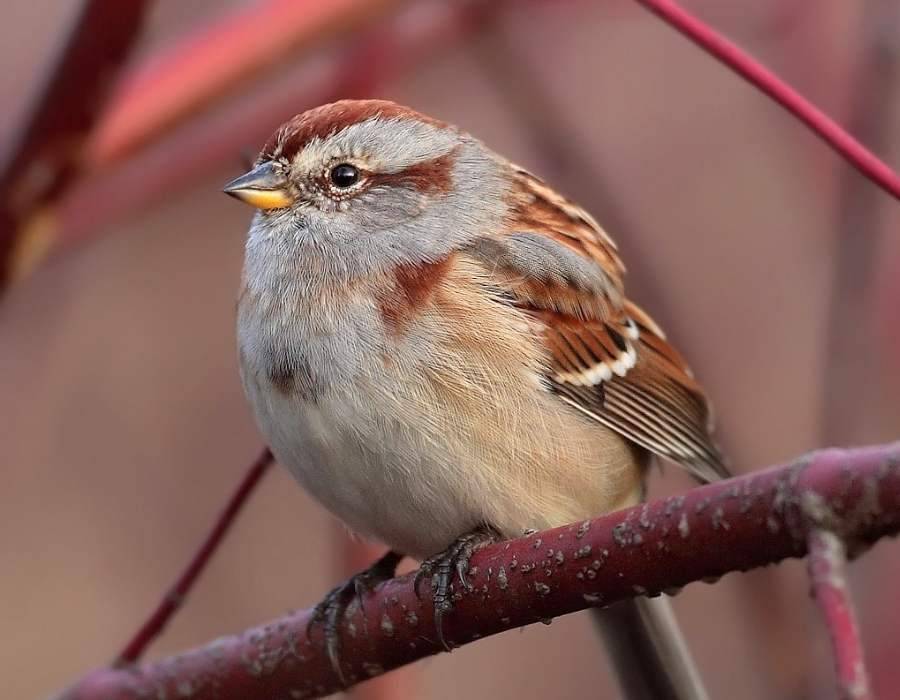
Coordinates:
[307,348]
[343,415]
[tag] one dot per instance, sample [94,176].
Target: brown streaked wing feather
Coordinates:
[610,360]
[651,399]
[537,207]
[656,404]
[580,348]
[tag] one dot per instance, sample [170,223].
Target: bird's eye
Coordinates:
[344,175]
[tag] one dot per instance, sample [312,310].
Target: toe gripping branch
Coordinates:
[440,567]
[340,601]
[335,605]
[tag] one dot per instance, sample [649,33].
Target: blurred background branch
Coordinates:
[848,373]
[748,68]
[44,155]
[174,598]
[179,82]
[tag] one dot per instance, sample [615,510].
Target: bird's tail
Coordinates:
[648,652]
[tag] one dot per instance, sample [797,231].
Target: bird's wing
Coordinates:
[609,359]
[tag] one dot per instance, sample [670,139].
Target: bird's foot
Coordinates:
[440,567]
[333,606]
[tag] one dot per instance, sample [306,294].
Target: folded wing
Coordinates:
[609,360]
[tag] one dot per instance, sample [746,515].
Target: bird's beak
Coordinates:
[262,188]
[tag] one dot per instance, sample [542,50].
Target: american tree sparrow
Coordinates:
[439,346]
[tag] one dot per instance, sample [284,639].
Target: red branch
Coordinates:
[214,60]
[175,596]
[43,155]
[744,65]
[827,560]
[734,525]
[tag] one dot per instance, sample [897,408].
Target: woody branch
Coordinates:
[735,525]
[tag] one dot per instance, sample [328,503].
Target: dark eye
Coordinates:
[344,175]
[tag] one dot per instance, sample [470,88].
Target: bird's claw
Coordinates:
[329,611]
[440,567]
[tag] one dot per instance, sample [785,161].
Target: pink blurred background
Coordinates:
[772,265]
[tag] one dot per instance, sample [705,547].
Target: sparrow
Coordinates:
[439,346]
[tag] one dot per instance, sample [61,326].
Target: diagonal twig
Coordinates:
[175,596]
[751,70]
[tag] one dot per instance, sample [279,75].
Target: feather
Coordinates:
[608,358]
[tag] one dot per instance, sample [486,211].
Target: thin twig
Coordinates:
[175,596]
[751,70]
[733,525]
[827,561]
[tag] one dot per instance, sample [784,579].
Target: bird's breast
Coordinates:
[432,414]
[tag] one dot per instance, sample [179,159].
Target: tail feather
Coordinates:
[648,652]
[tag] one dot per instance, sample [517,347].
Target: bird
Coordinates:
[439,347]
